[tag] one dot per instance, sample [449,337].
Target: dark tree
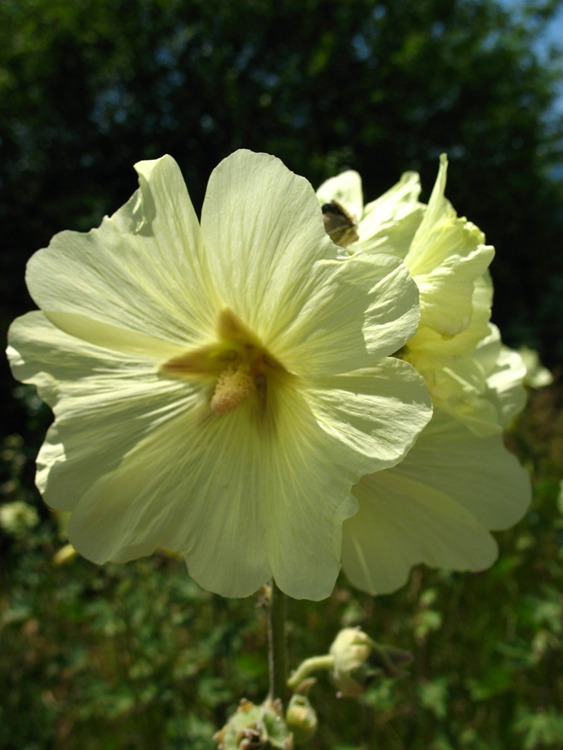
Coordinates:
[88,87]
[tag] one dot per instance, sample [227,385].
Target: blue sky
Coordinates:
[553,35]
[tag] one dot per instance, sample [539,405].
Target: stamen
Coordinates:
[232,388]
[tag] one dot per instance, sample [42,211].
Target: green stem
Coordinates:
[276,633]
[313,664]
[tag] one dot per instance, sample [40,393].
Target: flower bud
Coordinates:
[358,661]
[301,719]
[255,728]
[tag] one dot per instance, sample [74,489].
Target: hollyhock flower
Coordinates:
[218,389]
[458,482]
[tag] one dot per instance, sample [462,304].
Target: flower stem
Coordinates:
[313,664]
[276,633]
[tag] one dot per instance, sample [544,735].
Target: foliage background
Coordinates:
[137,656]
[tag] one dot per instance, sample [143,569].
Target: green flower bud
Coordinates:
[358,661]
[255,728]
[301,719]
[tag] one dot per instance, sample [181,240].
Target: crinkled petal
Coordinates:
[356,311]
[435,507]
[429,350]
[446,256]
[485,390]
[477,413]
[346,189]
[446,292]
[185,489]
[104,401]
[462,391]
[505,377]
[143,271]
[389,223]
[376,413]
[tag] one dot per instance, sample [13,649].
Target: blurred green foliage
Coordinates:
[136,657]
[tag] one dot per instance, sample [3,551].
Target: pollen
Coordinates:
[233,386]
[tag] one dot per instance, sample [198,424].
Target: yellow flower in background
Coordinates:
[445,254]
[218,389]
[388,223]
[458,482]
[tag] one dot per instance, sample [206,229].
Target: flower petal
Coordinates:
[480,473]
[105,402]
[356,311]
[446,256]
[396,528]
[263,231]
[240,501]
[376,413]
[429,350]
[143,271]
[484,390]
[505,371]
[389,223]
[181,489]
[277,270]
[537,376]
[434,507]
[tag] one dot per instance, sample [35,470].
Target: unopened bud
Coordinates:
[301,719]
[358,661]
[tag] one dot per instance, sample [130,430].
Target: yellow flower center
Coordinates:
[233,369]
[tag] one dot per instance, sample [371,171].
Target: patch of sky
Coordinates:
[360,47]
[437,29]
[207,123]
[245,56]
[165,57]
[379,12]
[113,104]
[168,54]
[548,40]
[491,41]
[266,78]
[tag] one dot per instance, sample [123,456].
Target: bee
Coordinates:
[339,225]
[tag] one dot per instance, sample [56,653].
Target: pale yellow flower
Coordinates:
[458,482]
[444,253]
[218,389]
